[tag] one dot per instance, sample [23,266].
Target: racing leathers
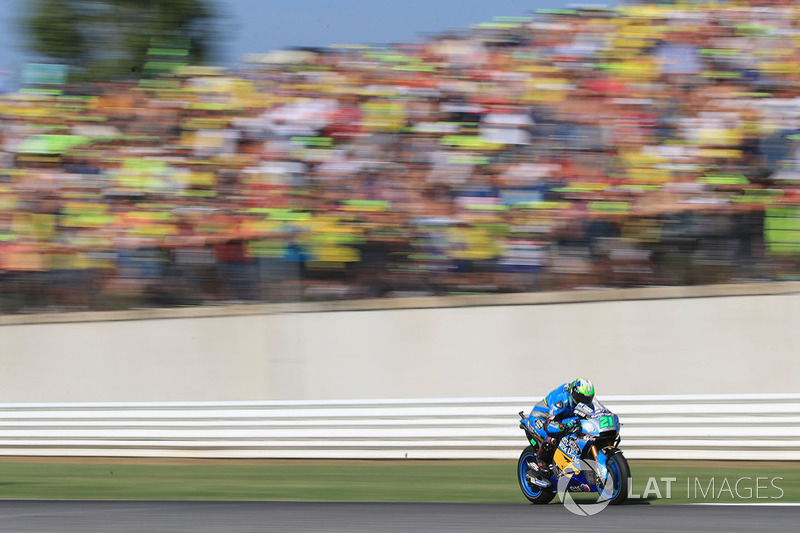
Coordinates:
[550,420]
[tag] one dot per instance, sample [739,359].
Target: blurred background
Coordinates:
[191,152]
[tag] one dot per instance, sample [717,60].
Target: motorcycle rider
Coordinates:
[553,417]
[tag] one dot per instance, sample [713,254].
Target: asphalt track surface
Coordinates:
[236,517]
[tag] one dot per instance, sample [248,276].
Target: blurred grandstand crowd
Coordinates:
[637,145]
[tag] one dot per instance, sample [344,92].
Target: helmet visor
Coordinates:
[577,397]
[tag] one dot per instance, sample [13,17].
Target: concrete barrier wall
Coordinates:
[721,339]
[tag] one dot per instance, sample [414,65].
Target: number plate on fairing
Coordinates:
[607,422]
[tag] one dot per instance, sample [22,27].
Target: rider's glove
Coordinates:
[569,425]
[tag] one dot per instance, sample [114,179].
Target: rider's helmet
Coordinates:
[581,391]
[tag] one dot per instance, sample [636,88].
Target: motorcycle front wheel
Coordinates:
[620,474]
[534,493]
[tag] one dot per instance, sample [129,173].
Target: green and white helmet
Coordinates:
[582,391]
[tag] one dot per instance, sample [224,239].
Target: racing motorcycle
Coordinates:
[586,460]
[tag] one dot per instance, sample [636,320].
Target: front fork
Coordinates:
[600,467]
[601,459]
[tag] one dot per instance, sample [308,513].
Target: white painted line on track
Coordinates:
[755,504]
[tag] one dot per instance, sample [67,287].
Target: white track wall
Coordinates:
[653,427]
[741,339]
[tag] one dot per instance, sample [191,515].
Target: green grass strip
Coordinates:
[385,481]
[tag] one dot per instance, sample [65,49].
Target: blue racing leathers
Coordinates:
[553,416]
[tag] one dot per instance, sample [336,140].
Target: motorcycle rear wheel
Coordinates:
[534,493]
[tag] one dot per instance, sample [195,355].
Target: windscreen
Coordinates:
[598,406]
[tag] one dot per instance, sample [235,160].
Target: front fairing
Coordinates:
[568,459]
[588,469]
